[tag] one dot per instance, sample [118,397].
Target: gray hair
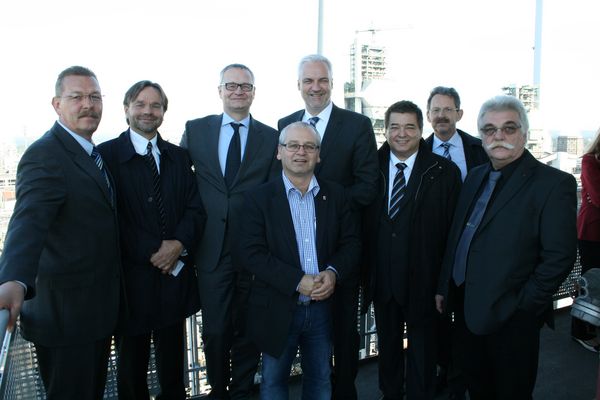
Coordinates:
[444,91]
[301,125]
[315,58]
[75,70]
[505,103]
[232,66]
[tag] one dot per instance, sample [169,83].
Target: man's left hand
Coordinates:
[326,280]
[167,255]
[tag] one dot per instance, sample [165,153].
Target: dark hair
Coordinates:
[404,107]
[444,91]
[135,90]
[240,66]
[74,70]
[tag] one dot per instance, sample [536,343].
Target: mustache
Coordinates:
[89,114]
[442,120]
[499,143]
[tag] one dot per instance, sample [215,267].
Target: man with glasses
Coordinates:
[406,230]
[61,252]
[298,238]
[348,157]
[512,242]
[231,153]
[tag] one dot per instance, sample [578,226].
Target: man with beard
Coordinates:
[161,219]
[512,242]
[61,252]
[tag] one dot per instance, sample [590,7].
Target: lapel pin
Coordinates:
[324,197]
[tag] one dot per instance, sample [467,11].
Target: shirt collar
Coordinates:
[313,186]
[323,115]
[86,144]
[227,119]
[140,143]
[455,140]
[410,161]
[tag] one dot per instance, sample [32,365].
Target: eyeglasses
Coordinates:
[506,129]
[294,147]
[232,86]
[94,98]
[445,110]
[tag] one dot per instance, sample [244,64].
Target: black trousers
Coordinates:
[133,353]
[502,365]
[74,372]
[589,257]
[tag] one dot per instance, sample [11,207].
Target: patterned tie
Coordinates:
[462,249]
[151,161]
[446,147]
[234,158]
[100,164]
[397,190]
[313,121]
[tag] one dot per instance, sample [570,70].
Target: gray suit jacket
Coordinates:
[201,138]
[62,242]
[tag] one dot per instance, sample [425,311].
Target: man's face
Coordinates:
[505,145]
[79,107]
[403,134]
[146,112]
[443,115]
[315,85]
[298,163]
[236,101]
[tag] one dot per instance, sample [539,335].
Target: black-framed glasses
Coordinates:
[506,129]
[294,147]
[94,98]
[445,110]
[233,86]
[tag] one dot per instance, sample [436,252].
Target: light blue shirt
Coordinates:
[324,115]
[410,164]
[456,150]
[86,144]
[140,145]
[226,134]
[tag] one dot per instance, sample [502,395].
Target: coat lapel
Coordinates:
[332,133]
[286,227]
[211,151]
[253,144]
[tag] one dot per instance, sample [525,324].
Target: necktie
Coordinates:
[462,250]
[234,158]
[446,147]
[313,121]
[149,159]
[100,164]
[398,189]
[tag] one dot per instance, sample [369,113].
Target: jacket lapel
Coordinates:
[211,151]
[253,144]
[286,227]
[332,133]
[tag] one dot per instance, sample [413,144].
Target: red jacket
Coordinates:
[588,220]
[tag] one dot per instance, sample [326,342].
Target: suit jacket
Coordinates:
[201,139]
[474,153]
[155,300]
[348,154]
[62,242]
[524,247]
[588,219]
[267,248]
[430,199]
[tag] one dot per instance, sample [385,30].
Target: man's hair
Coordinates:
[404,107]
[71,71]
[315,58]
[232,66]
[136,89]
[504,103]
[299,124]
[445,91]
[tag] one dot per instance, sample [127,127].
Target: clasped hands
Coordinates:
[167,255]
[318,287]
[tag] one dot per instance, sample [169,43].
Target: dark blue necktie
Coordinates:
[313,121]
[462,249]
[398,188]
[234,156]
[100,164]
[151,162]
[446,147]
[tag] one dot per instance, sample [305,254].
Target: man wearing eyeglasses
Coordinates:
[348,157]
[298,238]
[61,253]
[231,152]
[512,243]
[406,229]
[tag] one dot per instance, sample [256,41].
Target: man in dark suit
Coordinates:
[161,219]
[231,153]
[512,243]
[61,252]
[466,151]
[298,238]
[443,112]
[348,157]
[406,230]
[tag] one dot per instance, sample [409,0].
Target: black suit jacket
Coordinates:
[201,139]
[524,247]
[62,242]
[474,153]
[267,248]
[155,300]
[348,154]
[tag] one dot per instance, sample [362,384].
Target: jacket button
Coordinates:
[150,199]
[393,235]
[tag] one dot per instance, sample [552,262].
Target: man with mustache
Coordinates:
[511,244]
[161,219]
[61,253]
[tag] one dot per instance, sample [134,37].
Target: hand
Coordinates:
[439,303]
[307,284]
[12,295]
[167,255]
[324,285]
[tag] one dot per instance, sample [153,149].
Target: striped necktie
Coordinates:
[313,121]
[446,147]
[100,164]
[398,190]
[151,162]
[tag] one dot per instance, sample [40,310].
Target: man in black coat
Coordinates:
[161,219]
[406,230]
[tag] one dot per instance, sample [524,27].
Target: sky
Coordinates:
[476,46]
